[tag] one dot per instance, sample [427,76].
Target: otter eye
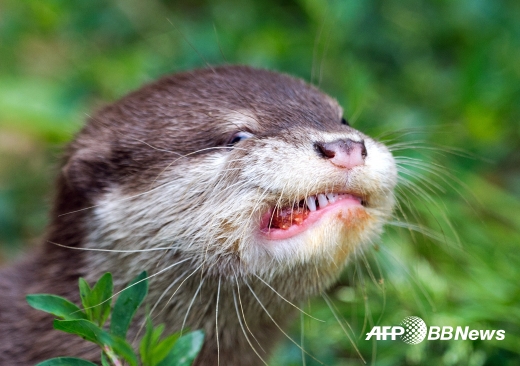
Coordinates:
[344,122]
[239,136]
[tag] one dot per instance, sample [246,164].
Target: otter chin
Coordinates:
[236,188]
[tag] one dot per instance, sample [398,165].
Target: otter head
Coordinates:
[235,172]
[243,171]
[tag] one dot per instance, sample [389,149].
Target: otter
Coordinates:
[244,192]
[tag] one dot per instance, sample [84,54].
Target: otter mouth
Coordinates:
[285,222]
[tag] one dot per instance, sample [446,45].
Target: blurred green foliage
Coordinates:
[441,78]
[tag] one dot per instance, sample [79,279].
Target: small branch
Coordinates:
[112,356]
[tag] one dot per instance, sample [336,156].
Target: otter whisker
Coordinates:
[420,187]
[302,338]
[325,50]
[278,326]
[414,281]
[168,288]
[333,311]
[243,330]
[383,287]
[126,136]
[287,301]
[278,204]
[315,48]
[332,259]
[242,310]
[217,191]
[216,322]
[251,105]
[412,277]
[422,230]
[370,273]
[441,172]
[191,304]
[110,250]
[182,283]
[253,211]
[151,189]
[158,149]
[317,272]
[368,320]
[421,180]
[189,154]
[404,199]
[421,193]
[438,149]
[127,198]
[399,134]
[398,204]
[417,189]
[143,323]
[402,132]
[144,279]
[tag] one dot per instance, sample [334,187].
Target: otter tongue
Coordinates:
[286,217]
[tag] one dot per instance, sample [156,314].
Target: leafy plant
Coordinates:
[154,350]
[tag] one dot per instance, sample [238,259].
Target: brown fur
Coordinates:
[142,140]
[27,335]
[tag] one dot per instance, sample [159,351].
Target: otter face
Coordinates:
[240,172]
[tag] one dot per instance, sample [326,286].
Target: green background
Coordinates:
[437,80]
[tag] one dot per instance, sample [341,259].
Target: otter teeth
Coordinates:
[311,203]
[323,200]
[331,197]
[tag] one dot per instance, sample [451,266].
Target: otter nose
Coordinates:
[343,153]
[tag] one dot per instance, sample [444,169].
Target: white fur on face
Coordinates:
[208,208]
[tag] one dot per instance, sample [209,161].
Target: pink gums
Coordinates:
[343,204]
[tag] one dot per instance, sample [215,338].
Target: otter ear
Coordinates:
[87,170]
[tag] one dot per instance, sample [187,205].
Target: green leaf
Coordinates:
[96,300]
[120,347]
[99,299]
[56,305]
[104,361]
[156,334]
[152,350]
[84,294]
[127,304]
[145,347]
[66,361]
[83,328]
[185,350]
[91,332]
[161,350]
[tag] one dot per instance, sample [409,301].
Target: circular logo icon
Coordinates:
[414,330]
